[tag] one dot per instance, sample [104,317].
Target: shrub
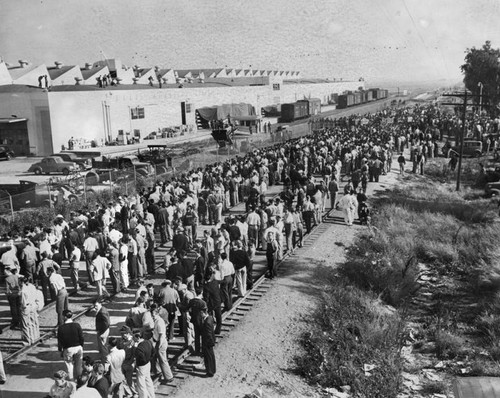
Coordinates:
[488,324]
[355,330]
[448,345]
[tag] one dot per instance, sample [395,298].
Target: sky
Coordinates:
[379,40]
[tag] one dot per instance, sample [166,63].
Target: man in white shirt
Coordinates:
[59,287]
[90,246]
[114,362]
[227,271]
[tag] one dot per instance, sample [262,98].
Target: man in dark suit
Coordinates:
[196,306]
[180,241]
[102,323]
[208,343]
[212,296]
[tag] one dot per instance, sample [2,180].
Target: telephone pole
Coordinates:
[463,131]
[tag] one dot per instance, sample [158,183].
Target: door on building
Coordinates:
[183,113]
[14,134]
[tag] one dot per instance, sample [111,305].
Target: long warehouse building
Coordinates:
[41,107]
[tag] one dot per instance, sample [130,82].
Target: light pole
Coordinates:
[480,85]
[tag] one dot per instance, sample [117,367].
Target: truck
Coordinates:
[121,163]
[125,167]
[25,194]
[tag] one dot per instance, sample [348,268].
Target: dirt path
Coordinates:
[259,351]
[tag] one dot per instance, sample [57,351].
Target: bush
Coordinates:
[488,324]
[355,330]
[434,387]
[448,345]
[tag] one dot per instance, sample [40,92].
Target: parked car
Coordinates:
[472,148]
[25,194]
[492,189]
[6,153]
[83,163]
[53,164]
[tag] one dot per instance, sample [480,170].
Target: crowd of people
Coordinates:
[211,258]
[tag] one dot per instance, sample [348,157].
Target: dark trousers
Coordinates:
[249,275]
[61,305]
[163,233]
[150,256]
[271,269]
[308,218]
[217,314]
[48,293]
[209,359]
[132,266]
[226,286]
[170,327]
[15,308]
[197,336]
[115,280]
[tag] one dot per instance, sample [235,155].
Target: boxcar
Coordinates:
[294,111]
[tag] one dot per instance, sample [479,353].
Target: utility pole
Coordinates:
[462,134]
[480,85]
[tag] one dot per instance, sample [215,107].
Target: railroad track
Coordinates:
[185,364]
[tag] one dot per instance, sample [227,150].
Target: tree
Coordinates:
[483,66]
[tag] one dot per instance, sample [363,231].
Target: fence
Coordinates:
[80,190]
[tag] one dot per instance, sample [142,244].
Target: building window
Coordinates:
[188,108]
[137,113]
[276,86]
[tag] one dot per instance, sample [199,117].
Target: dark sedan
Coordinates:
[6,153]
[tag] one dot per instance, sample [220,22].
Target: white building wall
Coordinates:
[81,113]
[4,75]
[30,105]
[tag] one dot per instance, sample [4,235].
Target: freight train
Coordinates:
[312,106]
[361,97]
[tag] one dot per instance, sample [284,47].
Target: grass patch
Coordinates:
[355,330]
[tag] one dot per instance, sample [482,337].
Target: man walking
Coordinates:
[70,344]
